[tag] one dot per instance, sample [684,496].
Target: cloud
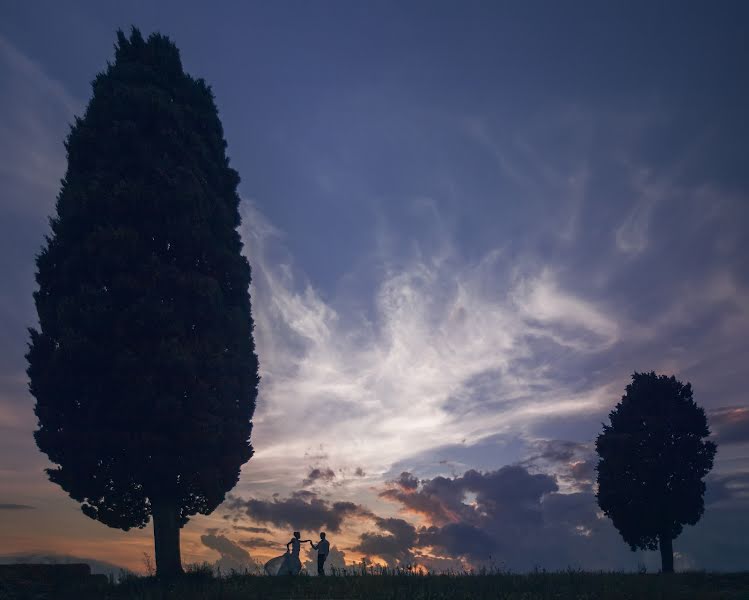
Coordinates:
[36,109]
[584,473]
[303,510]
[729,490]
[393,546]
[435,500]
[511,490]
[509,515]
[32,71]
[730,425]
[258,542]
[252,529]
[324,475]
[335,562]
[445,354]
[460,540]
[632,235]
[520,520]
[233,557]
[406,481]
[570,321]
[557,451]
[15,507]
[573,463]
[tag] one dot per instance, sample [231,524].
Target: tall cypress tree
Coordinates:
[143,366]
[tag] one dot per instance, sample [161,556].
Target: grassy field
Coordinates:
[535,586]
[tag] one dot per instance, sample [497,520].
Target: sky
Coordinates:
[469,223]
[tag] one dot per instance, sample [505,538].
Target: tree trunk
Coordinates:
[667,553]
[166,539]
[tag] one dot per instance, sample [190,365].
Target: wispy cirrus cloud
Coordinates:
[383,386]
[36,110]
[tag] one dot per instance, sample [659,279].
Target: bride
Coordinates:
[289,563]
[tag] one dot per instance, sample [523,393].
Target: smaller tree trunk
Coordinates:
[166,539]
[665,544]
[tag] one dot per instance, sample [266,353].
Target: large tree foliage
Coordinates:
[143,365]
[653,458]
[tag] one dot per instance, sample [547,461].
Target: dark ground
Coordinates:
[534,586]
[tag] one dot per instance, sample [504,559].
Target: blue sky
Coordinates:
[468,223]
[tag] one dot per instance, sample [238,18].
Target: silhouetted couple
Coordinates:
[289,563]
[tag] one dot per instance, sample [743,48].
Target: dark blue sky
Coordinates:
[364,89]
[468,223]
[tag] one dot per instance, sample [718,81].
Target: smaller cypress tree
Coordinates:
[653,458]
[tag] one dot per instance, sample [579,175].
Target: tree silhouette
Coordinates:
[652,462]
[143,366]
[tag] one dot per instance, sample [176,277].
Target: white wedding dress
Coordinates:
[286,564]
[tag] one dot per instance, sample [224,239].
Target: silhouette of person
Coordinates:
[289,563]
[323,549]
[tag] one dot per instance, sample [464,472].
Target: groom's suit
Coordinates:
[323,549]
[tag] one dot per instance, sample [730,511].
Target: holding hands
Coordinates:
[289,563]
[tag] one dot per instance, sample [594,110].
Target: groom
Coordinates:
[323,549]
